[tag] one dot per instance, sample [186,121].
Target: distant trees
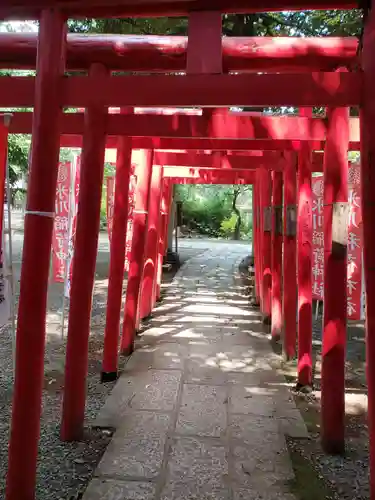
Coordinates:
[214,210]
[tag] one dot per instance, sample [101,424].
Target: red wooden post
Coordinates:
[266,246]
[204,50]
[304,258]
[259,181]
[84,263]
[169,215]
[26,408]
[289,257]
[276,254]
[255,241]
[143,175]
[117,260]
[163,229]
[168,53]
[367,118]
[3,164]
[152,239]
[335,277]
[258,266]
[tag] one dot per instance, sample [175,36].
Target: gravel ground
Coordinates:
[333,477]
[348,476]
[64,468]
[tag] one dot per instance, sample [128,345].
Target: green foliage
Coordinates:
[208,210]
[305,23]
[205,216]
[18,156]
[227,227]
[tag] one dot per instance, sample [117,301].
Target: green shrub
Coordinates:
[228,225]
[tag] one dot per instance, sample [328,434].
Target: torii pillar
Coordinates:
[164,216]
[367,118]
[255,241]
[152,240]
[39,216]
[143,174]
[266,214]
[335,280]
[276,255]
[304,258]
[289,257]
[117,260]
[84,264]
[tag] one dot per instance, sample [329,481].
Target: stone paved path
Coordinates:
[199,411]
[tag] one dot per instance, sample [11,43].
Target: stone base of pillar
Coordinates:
[266,320]
[172,258]
[305,389]
[127,351]
[108,377]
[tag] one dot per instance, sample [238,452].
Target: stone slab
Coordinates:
[244,400]
[109,489]
[133,457]
[148,390]
[203,461]
[203,411]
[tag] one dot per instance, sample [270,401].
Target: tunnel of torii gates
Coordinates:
[277,154]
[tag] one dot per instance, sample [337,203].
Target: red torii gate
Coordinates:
[169,53]
[99,90]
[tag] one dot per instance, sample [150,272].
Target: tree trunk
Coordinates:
[237,228]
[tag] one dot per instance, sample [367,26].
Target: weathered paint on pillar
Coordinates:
[367,118]
[169,216]
[84,264]
[335,278]
[304,262]
[143,174]
[259,181]
[117,259]
[5,119]
[276,254]
[28,384]
[171,221]
[204,50]
[266,246]
[289,257]
[258,267]
[152,239]
[163,228]
[255,241]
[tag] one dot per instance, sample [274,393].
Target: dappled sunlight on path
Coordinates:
[200,411]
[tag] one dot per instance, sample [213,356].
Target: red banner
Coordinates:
[72,224]
[110,206]
[354,283]
[317,238]
[3,167]
[60,241]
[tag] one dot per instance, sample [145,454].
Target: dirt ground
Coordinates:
[347,476]
[321,476]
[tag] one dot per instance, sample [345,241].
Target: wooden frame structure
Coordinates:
[289,140]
